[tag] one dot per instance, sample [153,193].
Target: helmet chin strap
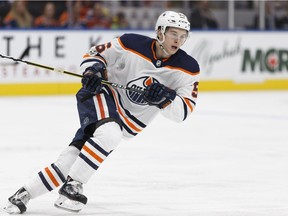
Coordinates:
[161,44]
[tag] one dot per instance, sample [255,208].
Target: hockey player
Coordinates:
[169,80]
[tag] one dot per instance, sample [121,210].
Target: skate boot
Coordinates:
[70,196]
[17,203]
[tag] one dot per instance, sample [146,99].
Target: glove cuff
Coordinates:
[98,68]
[169,97]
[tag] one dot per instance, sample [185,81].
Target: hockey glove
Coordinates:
[159,95]
[92,78]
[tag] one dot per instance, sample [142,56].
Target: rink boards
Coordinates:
[229,60]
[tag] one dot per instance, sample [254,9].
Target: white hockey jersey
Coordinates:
[131,60]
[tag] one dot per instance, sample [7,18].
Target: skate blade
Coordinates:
[69,205]
[9,209]
[3,212]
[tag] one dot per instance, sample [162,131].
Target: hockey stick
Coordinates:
[114,85]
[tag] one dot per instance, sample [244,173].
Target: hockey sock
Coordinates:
[94,152]
[54,175]
[47,179]
[90,158]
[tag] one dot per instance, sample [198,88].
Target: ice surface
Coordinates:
[230,158]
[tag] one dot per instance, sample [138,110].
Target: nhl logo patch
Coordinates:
[158,63]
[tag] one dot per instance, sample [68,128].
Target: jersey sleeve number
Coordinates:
[100,48]
[195,90]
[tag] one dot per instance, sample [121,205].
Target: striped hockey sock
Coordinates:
[54,175]
[47,180]
[51,177]
[90,158]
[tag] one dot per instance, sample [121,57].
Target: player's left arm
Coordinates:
[186,89]
[175,104]
[183,104]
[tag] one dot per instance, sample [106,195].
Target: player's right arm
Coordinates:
[94,64]
[106,53]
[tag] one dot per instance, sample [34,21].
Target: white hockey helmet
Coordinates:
[172,19]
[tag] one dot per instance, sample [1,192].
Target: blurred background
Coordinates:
[240,45]
[115,14]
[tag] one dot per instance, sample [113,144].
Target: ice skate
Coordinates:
[17,203]
[70,196]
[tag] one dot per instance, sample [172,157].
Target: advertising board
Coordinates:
[229,60]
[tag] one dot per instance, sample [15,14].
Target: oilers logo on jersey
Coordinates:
[140,84]
[131,60]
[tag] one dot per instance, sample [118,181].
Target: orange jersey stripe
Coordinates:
[130,124]
[51,176]
[154,54]
[86,56]
[188,104]
[100,103]
[137,53]
[93,154]
[97,57]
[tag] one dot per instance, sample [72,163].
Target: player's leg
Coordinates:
[93,153]
[99,118]
[44,181]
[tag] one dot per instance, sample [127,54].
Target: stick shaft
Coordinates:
[114,85]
